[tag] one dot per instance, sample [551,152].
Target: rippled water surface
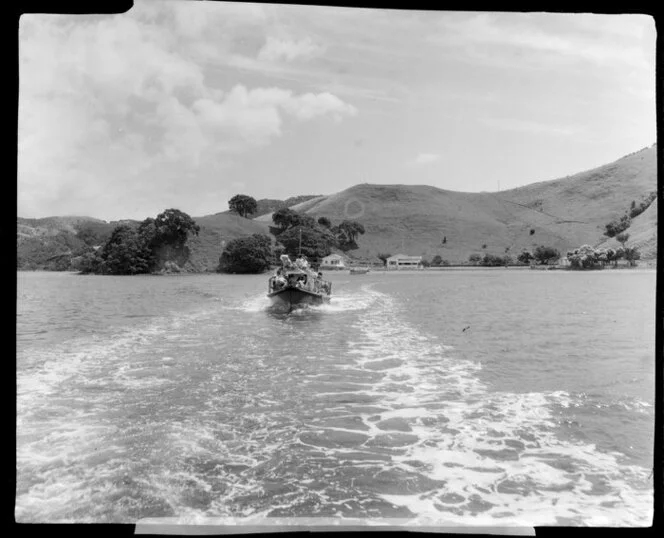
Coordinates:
[500,397]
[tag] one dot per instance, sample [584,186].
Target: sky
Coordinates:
[185,103]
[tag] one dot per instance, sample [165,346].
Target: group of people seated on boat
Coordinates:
[298,274]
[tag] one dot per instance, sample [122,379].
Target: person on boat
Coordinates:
[302,263]
[279,280]
[286,261]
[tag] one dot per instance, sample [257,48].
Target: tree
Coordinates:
[545,255]
[636,210]
[475,258]
[283,218]
[584,257]
[491,260]
[602,256]
[383,257]
[484,245]
[286,218]
[425,262]
[532,231]
[437,260]
[347,233]
[324,222]
[242,204]
[622,238]
[250,254]
[525,257]
[615,227]
[125,253]
[167,236]
[315,242]
[444,240]
[631,255]
[172,227]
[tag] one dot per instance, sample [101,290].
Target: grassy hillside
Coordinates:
[48,243]
[642,234]
[413,219]
[206,248]
[268,206]
[563,213]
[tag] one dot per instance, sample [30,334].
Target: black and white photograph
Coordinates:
[286,265]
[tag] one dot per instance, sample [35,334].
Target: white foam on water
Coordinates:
[67,397]
[257,303]
[497,452]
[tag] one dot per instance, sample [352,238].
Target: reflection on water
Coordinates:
[191,398]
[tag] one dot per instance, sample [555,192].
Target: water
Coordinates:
[486,397]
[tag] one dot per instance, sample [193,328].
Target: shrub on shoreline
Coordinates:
[251,254]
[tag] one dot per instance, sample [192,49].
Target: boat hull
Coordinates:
[295,297]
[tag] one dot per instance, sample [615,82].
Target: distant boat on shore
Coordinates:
[359,270]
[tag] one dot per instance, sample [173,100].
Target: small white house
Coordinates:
[401,261]
[333,261]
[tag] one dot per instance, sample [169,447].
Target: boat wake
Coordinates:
[481,456]
[369,417]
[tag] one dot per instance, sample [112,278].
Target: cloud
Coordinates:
[528,126]
[529,39]
[105,101]
[286,49]
[426,158]
[310,105]
[256,114]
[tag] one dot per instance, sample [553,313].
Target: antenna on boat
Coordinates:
[299,253]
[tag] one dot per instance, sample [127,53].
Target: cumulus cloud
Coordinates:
[311,105]
[256,114]
[110,99]
[276,49]
[426,158]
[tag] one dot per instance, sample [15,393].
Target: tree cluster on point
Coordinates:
[141,249]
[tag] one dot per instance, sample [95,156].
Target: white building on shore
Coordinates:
[402,261]
[333,261]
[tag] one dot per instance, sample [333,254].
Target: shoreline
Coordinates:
[648,265]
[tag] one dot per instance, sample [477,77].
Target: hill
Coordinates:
[563,213]
[207,247]
[268,205]
[413,219]
[49,242]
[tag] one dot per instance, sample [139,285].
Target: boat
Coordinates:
[359,270]
[295,285]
